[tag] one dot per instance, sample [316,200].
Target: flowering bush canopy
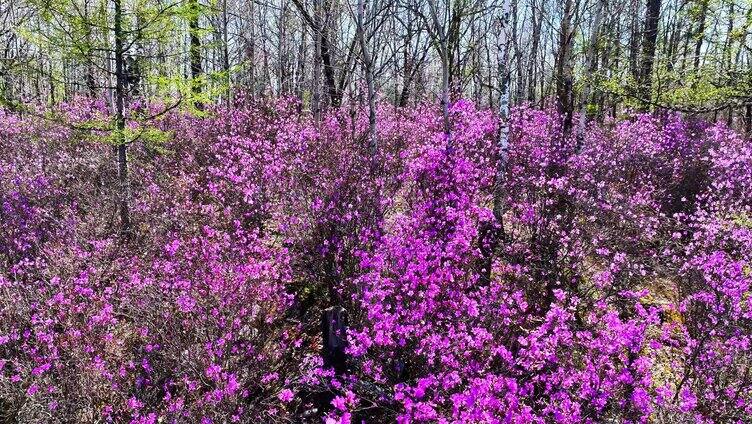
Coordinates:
[616,286]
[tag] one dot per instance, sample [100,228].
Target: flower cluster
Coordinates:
[615,285]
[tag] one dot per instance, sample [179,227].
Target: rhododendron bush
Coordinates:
[614,288]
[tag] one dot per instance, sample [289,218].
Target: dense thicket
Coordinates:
[599,56]
[614,286]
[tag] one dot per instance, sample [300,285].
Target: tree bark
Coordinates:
[564,72]
[442,46]
[592,67]
[700,33]
[652,14]
[91,84]
[316,95]
[537,17]
[407,66]
[195,53]
[368,68]
[499,193]
[634,40]
[319,25]
[122,154]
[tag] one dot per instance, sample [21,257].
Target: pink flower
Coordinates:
[286,395]
[32,390]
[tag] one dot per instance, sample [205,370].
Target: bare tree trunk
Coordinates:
[519,91]
[283,71]
[700,33]
[123,181]
[533,59]
[195,52]
[335,97]
[592,67]
[319,24]
[301,69]
[90,80]
[407,66]
[565,71]
[613,67]
[51,82]
[729,41]
[685,51]
[226,54]
[503,137]
[442,45]
[728,64]
[489,80]
[652,15]
[368,67]
[445,71]
[452,34]
[673,44]
[316,97]
[634,39]
[413,59]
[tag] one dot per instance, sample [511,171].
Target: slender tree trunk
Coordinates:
[91,84]
[335,97]
[226,54]
[673,44]
[685,51]
[652,14]
[613,67]
[452,35]
[123,181]
[700,35]
[489,81]
[728,42]
[368,68]
[407,66]
[51,82]
[443,47]
[316,96]
[564,72]
[728,64]
[282,52]
[445,76]
[533,59]
[301,70]
[519,91]
[195,52]
[592,67]
[503,136]
[634,40]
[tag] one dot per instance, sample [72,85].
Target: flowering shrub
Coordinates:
[615,288]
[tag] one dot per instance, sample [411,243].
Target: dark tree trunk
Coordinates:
[634,40]
[564,71]
[652,14]
[195,52]
[122,154]
[537,17]
[316,105]
[91,84]
[700,33]
[368,68]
